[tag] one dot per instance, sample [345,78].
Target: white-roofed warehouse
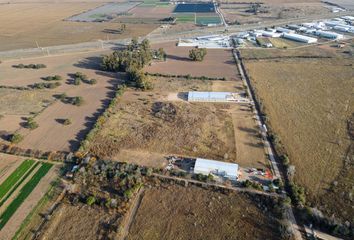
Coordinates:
[216,97]
[223,169]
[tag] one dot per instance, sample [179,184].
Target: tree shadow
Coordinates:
[248,130]
[178,58]
[112,31]
[93,63]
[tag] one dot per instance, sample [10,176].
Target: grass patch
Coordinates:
[185,18]
[205,20]
[14,177]
[24,193]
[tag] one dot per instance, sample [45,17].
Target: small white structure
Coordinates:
[327,34]
[216,97]
[223,169]
[299,38]
[211,41]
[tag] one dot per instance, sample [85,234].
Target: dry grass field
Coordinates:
[271,10]
[181,213]
[24,24]
[217,63]
[309,103]
[148,126]
[76,222]
[51,134]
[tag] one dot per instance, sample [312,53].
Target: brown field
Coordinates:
[8,164]
[51,134]
[217,63]
[181,213]
[24,24]
[309,103]
[272,10]
[76,222]
[23,102]
[140,132]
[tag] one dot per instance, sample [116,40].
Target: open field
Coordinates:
[24,25]
[217,63]
[270,10]
[146,127]
[309,103]
[176,212]
[23,102]
[76,222]
[8,164]
[51,133]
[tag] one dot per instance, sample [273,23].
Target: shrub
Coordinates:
[77,81]
[90,200]
[31,124]
[77,101]
[66,121]
[197,54]
[92,81]
[16,138]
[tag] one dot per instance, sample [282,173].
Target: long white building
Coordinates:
[327,34]
[216,97]
[299,38]
[223,169]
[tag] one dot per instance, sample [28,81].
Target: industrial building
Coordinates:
[299,38]
[284,30]
[211,41]
[327,34]
[216,97]
[222,169]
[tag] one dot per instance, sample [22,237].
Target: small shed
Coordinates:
[223,169]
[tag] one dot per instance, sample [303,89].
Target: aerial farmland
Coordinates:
[160,119]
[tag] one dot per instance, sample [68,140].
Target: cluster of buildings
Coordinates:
[305,32]
[211,41]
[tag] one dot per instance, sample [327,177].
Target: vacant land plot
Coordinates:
[217,63]
[270,10]
[8,164]
[309,103]
[76,222]
[27,24]
[194,213]
[51,133]
[23,102]
[103,13]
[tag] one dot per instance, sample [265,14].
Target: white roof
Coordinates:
[217,167]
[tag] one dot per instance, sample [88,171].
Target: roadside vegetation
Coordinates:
[30,66]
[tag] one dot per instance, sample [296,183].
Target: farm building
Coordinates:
[223,169]
[331,35]
[216,97]
[212,41]
[299,38]
[284,30]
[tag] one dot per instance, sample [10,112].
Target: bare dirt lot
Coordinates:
[23,25]
[217,63]
[8,164]
[51,133]
[309,103]
[193,213]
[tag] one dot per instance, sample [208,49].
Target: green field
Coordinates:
[14,177]
[182,18]
[24,193]
[205,20]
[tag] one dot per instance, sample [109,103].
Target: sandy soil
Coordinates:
[26,24]
[52,135]
[217,63]
[193,213]
[76,222]
[15,222]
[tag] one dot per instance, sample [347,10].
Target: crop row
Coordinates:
[14,177]
[24,193]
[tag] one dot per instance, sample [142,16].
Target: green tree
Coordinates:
[90,200]
[197,54]
[16,138]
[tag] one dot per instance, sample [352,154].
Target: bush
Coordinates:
[77,81]
[197,54]
[77,101]
[90,200]
[16,138]
[31,124]
[66,122]
[92,81]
